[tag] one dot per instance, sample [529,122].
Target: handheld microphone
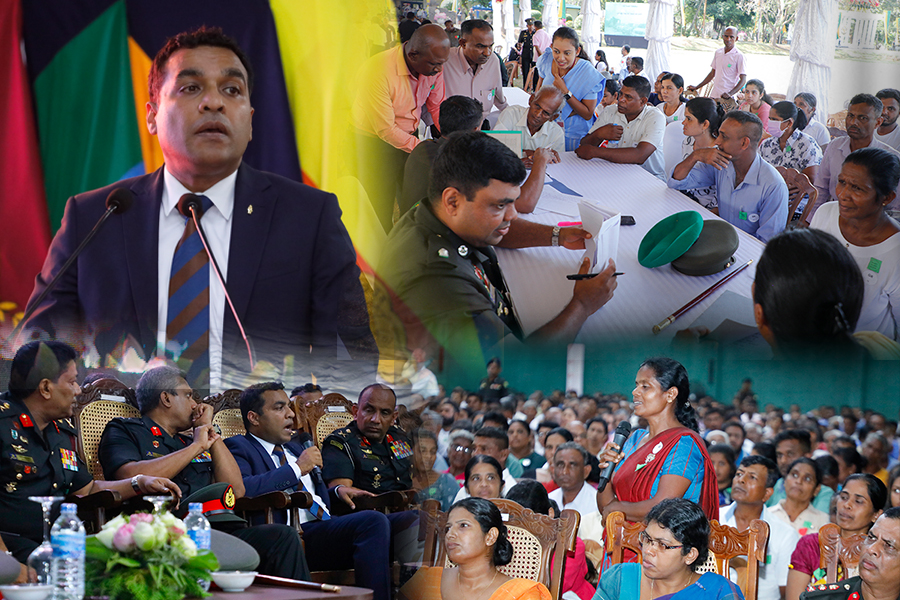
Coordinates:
[621,434]
[118,201]
[190,206]
[316,471]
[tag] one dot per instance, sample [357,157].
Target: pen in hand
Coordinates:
[579,277]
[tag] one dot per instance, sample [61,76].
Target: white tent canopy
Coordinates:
[812,51]
[660,27]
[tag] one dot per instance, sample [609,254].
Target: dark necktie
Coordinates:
[316,509]
[187,326]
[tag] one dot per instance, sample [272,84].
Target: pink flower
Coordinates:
[140,518]
[124,538]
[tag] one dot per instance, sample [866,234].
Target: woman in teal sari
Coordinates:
[568,68]
[674,543]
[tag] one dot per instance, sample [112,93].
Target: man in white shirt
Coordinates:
[753,484]
[629,132]
[889,132]
[473,70]
[863,118]
[269,461]
[571,466]
[728,71]
[537,122]
[492,442]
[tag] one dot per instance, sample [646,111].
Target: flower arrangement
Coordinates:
[146,557]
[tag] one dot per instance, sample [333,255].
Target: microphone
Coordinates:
[316,472]
[190,206]
[619,437]
[118,201]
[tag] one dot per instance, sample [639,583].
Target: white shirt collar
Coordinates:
[267,446]
[221,194]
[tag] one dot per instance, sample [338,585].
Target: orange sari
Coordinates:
[426,585]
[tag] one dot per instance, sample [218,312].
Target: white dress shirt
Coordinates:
[306,480]
[649,126]
[585,502]
[782,541]
[550,135]
[216,224]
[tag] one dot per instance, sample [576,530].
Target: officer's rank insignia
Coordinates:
[228,499]
[336,444]
[155,431]
[25,420]
[69,459]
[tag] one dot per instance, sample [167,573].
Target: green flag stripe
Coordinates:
[85,112]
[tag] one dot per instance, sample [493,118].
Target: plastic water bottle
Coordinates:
[200,531]
[67,539]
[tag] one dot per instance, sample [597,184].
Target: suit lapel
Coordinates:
[140,240]
[263,456]
[248,234]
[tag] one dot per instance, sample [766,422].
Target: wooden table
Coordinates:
[268,592]
[644,297]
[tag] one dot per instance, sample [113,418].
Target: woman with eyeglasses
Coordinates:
[858,505]
[484,477]
[459,452]
[674,543]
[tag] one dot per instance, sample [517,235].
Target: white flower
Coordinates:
[186,546]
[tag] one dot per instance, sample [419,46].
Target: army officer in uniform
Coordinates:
[38,445]
[153,444]
[879,566]
[370,457]
[444,282]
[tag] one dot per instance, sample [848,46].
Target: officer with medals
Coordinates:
[372,456]
[38,446]
[441,272]
[152,444]
[879,566]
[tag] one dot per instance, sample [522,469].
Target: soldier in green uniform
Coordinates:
[879,566]
[153,444]
[442,276]
[372,456]
[38,445]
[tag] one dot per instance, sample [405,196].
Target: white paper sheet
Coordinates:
[603,225]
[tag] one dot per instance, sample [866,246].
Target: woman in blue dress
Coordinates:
[674,543]
[572,74]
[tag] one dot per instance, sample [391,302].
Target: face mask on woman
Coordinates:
[774,128]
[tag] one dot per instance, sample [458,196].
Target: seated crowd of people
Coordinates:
[689,460]
[736,151]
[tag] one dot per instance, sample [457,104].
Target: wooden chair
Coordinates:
[229,399]
[799,186]
[834,551]
[535,538]
[230,422]
[837,120]
[91,418]
[725,544]
[328,414]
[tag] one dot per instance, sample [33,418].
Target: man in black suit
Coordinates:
[270,461]
[287,259]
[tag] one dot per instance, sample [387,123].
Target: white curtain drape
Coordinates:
[812,51]
[660,27]
[591,26]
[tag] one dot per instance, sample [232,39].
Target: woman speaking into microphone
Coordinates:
[666,460]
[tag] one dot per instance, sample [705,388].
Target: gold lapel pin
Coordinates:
[250,210]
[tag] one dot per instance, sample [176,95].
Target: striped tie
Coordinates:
[316,509]
[187,327]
